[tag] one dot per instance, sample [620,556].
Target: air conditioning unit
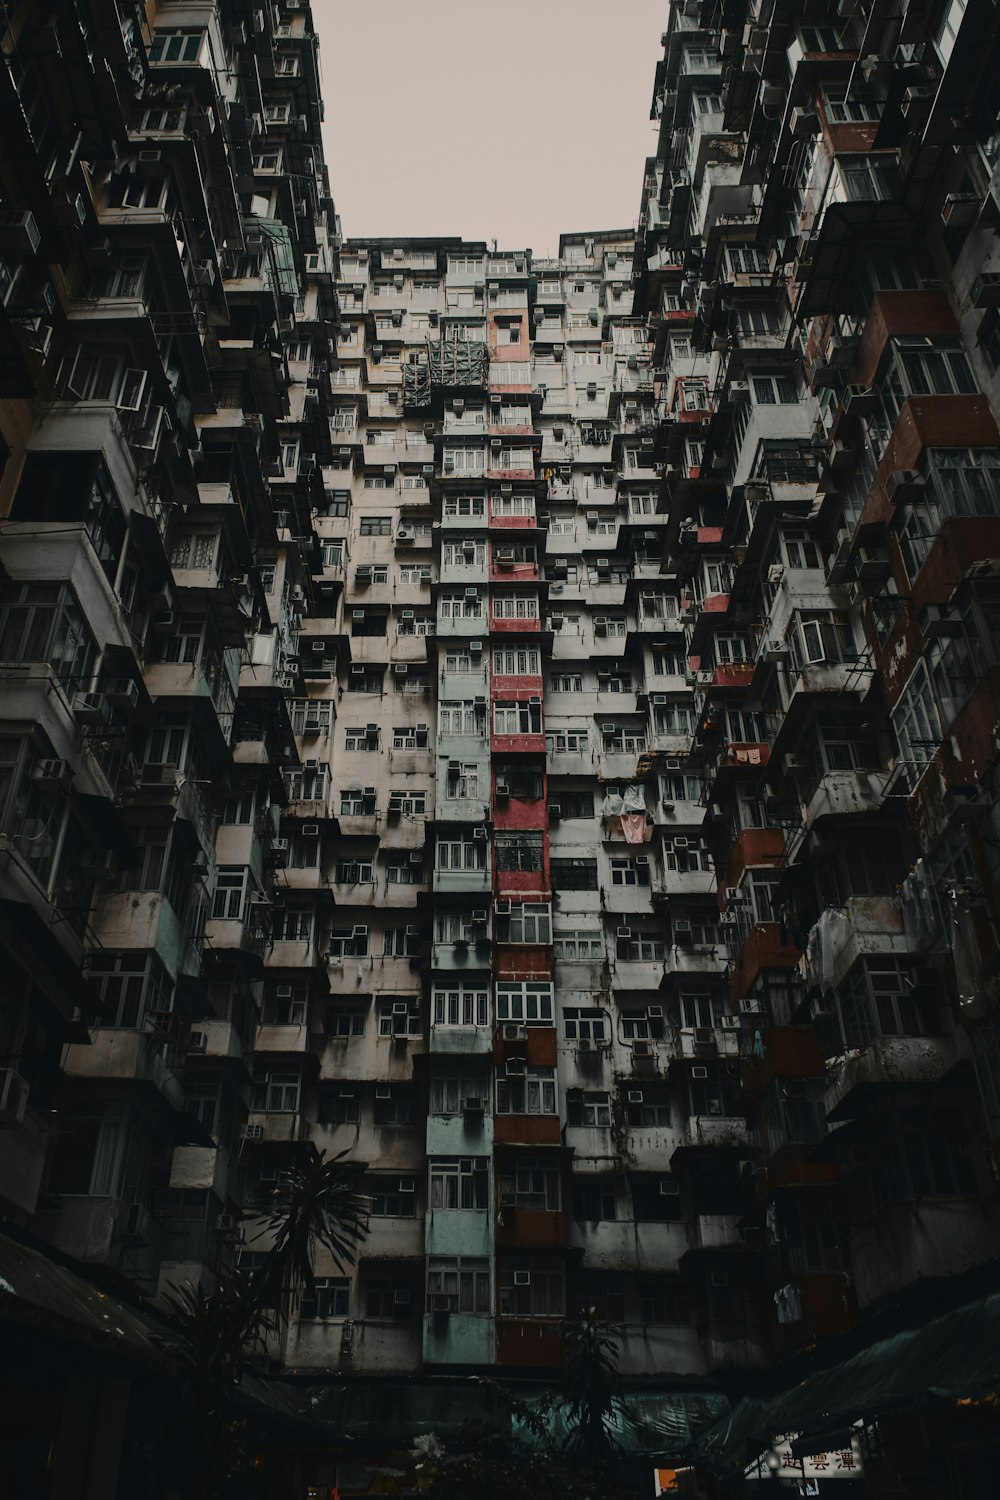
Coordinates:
[732,893]
[197,1041]
[96,864]
[251,1132]
[310,830]
[53,775]
[522,1278]
[122,692]
[134,1224]
[634,1096]
[642,1049]
[13,1098]
[699,1072]
[503,790]
[668,1188]
[730,1023]
[473,1106]
[904,484]
[623,932]
[90,708]
[512,1032]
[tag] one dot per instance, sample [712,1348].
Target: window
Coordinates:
[584,1025]
[389,1302]
[177,46]
[460,1005]
[593,1109]
[526,923]
[519,851]
[349,942]
[532,1183]
[42,622]
[463,782]
[128,985]
[515,606]
[393,1197]
[331,1299]
[531,1091]
[460,606]
[368,681]
[772,390]
[340,1025]
[293,924]
[517,718]
[359,739]
[566,683]
[525,1001]
[338,1105]
[656,1199]
[376,525]
[916,721]
[464,1281]
[463,461]
[524,782]
[464,505]
[594,1200]
[665,1300]
[520,662]
[353,871]
[459,1182]
[277,1093]
[356,802]
[880,998]
[462,718]
[395,1104]
[448,1094]
[531,1288]
[579,947]
[841,110]
[567,740]
[574,875]
[640,948]
[459,854]
[628,872]
[676,717]
[401,942]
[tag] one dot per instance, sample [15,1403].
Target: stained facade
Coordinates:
[527,725]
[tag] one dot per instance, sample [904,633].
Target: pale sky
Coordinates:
[519,119]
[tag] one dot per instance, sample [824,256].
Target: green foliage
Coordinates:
[316,1205]
[590,1385]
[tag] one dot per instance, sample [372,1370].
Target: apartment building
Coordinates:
[526,727]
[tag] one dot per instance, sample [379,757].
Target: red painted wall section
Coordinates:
[517,744]
[526,1130]
[517,962]
[755,846]
[531,1226]
[520,812]
[733,675]
[529,1342]
[521,572]
[929,422]
[513,523]
[515,627]
[895,315]
[512,689]
[507,351]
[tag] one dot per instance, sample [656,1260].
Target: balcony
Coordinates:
[136,1057]
[534,1343]
[714,1133]
[864,924]
[857,1078]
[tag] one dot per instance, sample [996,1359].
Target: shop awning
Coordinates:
[955,1356]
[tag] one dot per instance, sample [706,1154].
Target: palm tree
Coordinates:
[314,1206]
[221,1328]
[590,1385]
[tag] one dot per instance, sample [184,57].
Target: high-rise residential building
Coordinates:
[524,727]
